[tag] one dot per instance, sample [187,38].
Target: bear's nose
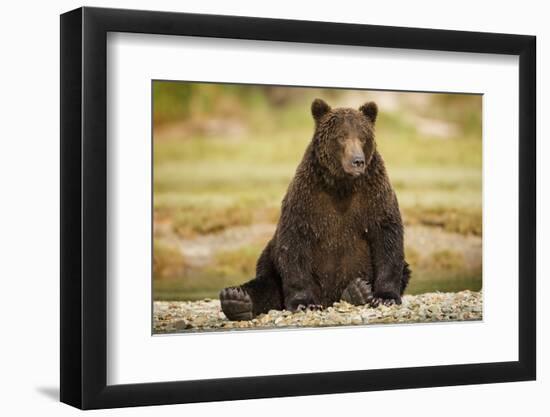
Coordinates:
[358,162]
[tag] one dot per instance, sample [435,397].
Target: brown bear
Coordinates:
[340,234]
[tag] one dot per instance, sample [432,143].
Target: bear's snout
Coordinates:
[354,158]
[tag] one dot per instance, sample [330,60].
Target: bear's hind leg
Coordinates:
[255,297]
[258,295]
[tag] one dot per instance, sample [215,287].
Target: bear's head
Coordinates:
[344,138]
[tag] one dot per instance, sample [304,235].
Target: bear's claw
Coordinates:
[236,304]
[388,302]
[312,307]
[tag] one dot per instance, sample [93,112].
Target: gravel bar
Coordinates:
[203,315]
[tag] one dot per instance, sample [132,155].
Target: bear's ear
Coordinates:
[370,110]
[319,108]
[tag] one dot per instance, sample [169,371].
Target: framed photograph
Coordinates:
[256,208]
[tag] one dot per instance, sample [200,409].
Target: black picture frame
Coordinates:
[84,207]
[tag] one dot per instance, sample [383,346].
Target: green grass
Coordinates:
[208,184]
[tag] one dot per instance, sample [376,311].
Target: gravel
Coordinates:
[203,315]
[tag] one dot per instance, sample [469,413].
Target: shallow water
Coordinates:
[444,285]
[171,290]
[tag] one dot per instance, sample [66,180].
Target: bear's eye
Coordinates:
[341,139]
[365,137]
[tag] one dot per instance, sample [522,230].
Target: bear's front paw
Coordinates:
[358,292]
[236,304]
[385,300]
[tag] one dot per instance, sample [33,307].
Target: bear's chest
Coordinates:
[339,215]
[340,251]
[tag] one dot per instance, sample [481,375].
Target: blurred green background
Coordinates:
[224,155]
